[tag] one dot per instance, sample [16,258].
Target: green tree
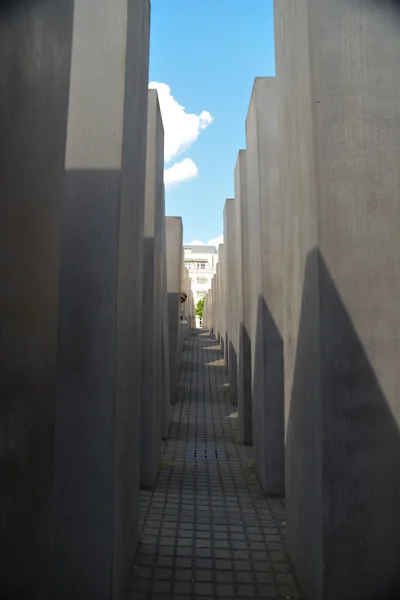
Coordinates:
[199,308]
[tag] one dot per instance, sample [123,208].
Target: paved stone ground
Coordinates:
[207,531]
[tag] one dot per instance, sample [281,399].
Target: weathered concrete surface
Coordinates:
[185,307]
[244,268]
[166,389]
[217,304]
[215,301]
[339,85]
[174,241]
[33,128]
[231,295]
[97,425]
[214,306]
[152,335]
[265,285]
[210,300]
[191,308]
[222,301]
[204,319]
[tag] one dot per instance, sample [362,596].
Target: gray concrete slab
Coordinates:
[215,300]
[210,302]
[97,422]
[222,302]
[205,312]
[339,85]
[166,384]
[185,306]
[244,301]
[174,241]
[232,326]
[33,128]
[265,284]
[151,406]
[217,304]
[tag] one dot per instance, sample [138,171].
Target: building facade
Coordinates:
[201,262]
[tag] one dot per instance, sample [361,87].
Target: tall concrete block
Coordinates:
[214,300]
[244,269]
[211,309]
[339,118]
[264,264]
[166,384]
[97,422]
[218,303]
[217,300]
[215,305]
[191,306]
[35,52]
[230,240]
[151,407]
[185,325]
[222,301]
[174,241]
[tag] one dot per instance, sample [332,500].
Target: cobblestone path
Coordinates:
[207,531]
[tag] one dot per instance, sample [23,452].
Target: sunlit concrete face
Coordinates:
[166,391]
[244,301]
[97,421]
[231,295]
[174,239]
[222,302]
[339,122]
[264,267]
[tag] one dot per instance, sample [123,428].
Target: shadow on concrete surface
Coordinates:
[232,372]
[33,130]
[268,403]
[343,457]
[244,386]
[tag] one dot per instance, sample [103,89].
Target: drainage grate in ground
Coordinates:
[204,454]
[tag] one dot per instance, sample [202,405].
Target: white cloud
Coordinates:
[217,241]
[181,171]
[181,130]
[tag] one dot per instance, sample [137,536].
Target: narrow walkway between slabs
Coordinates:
[207,531]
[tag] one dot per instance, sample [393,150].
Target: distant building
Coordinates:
[201,262]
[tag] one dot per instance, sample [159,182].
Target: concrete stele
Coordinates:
[339,122]
[166,408]
[174,241]
[35,54]
[264,264]
[152,387]
[244,301]
[97,422]
[222,302]
[217,301]
[231,295]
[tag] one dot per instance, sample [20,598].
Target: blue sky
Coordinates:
[208,52]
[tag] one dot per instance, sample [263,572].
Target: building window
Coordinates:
[202,265]
[202,280]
